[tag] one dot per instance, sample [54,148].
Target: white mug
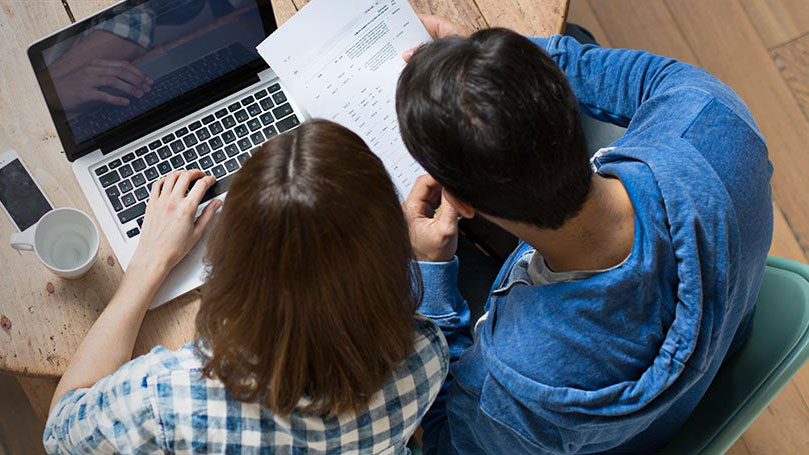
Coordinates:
[65,240]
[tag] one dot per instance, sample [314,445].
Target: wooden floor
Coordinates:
[759,47]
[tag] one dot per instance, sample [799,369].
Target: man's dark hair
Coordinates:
[492,118]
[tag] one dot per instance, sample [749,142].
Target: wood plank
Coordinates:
[643,24]
[284,9]
[20,428]
[529,17]
[726,44]
[581,13]
[781,428]
[739,448]
[39,393]
[778,21]
[792,59]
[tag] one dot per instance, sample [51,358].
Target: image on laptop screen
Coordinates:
[141,57]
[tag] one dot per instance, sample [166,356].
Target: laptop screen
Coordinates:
[137,65]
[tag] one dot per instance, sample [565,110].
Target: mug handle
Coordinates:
[24,241]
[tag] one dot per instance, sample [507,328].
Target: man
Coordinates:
[637,272]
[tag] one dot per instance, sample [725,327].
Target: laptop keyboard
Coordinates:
[218,144]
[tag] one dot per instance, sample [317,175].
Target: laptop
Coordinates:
[146,87]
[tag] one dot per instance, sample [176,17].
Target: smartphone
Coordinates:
[20,196]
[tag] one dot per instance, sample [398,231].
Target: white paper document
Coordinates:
[341,61]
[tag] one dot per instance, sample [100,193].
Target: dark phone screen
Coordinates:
[20,195]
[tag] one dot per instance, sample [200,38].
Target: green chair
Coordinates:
[776,348]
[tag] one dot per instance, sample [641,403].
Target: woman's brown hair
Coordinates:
[310,293]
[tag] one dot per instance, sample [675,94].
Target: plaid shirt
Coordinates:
[136,25]
[160,403]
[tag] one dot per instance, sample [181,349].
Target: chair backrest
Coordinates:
[776,347]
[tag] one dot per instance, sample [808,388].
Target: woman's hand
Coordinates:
[439,27]
[433,232]
[169,231]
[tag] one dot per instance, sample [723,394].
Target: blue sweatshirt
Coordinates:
[616,363]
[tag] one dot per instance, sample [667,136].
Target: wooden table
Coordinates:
[43,318]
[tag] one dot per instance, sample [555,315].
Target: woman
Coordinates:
[307,336]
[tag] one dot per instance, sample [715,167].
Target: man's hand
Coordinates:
[169,231]
[439,27]
[434,235]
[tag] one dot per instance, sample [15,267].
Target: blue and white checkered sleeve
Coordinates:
[116,415]
[136,25]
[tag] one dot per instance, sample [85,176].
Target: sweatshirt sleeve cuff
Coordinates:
[441,295]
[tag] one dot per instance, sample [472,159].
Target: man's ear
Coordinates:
[463,208]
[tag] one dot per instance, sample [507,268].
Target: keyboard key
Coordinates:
[181,132]
[253,110]
[218,171]
[126,171]
[266,103]
[128,199]
[132,213]
[270,131]
[203,134]
[260,94]
[114,163]
[221,113]
[266,118]
[177,146]
[229,121]
[216,128]
[164,152]
[219,187]
[128,157]
[139,180]
[189,155]
[246,101]
[231,165]
[112,192]
[206,162]
[190,140]
[154,144]
[234,107]
[141,193]
[254,124]
[241,116]
[193,165]
[208,119]
[218,156]
[132,232]
[116,204]
[216,143]
[164,168]
[232,150]
[150,174]
[274,88]
[242,158]
[245,144]
[177,162]
[288,123]
[101,170]
[140,222]
[228,137]
[168,138]
[138,165]
[142,151]
[241,131]
[257,138]
[203,149]
[195,125]
[125,186]
[279,97]
[282,111]
[151,159]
